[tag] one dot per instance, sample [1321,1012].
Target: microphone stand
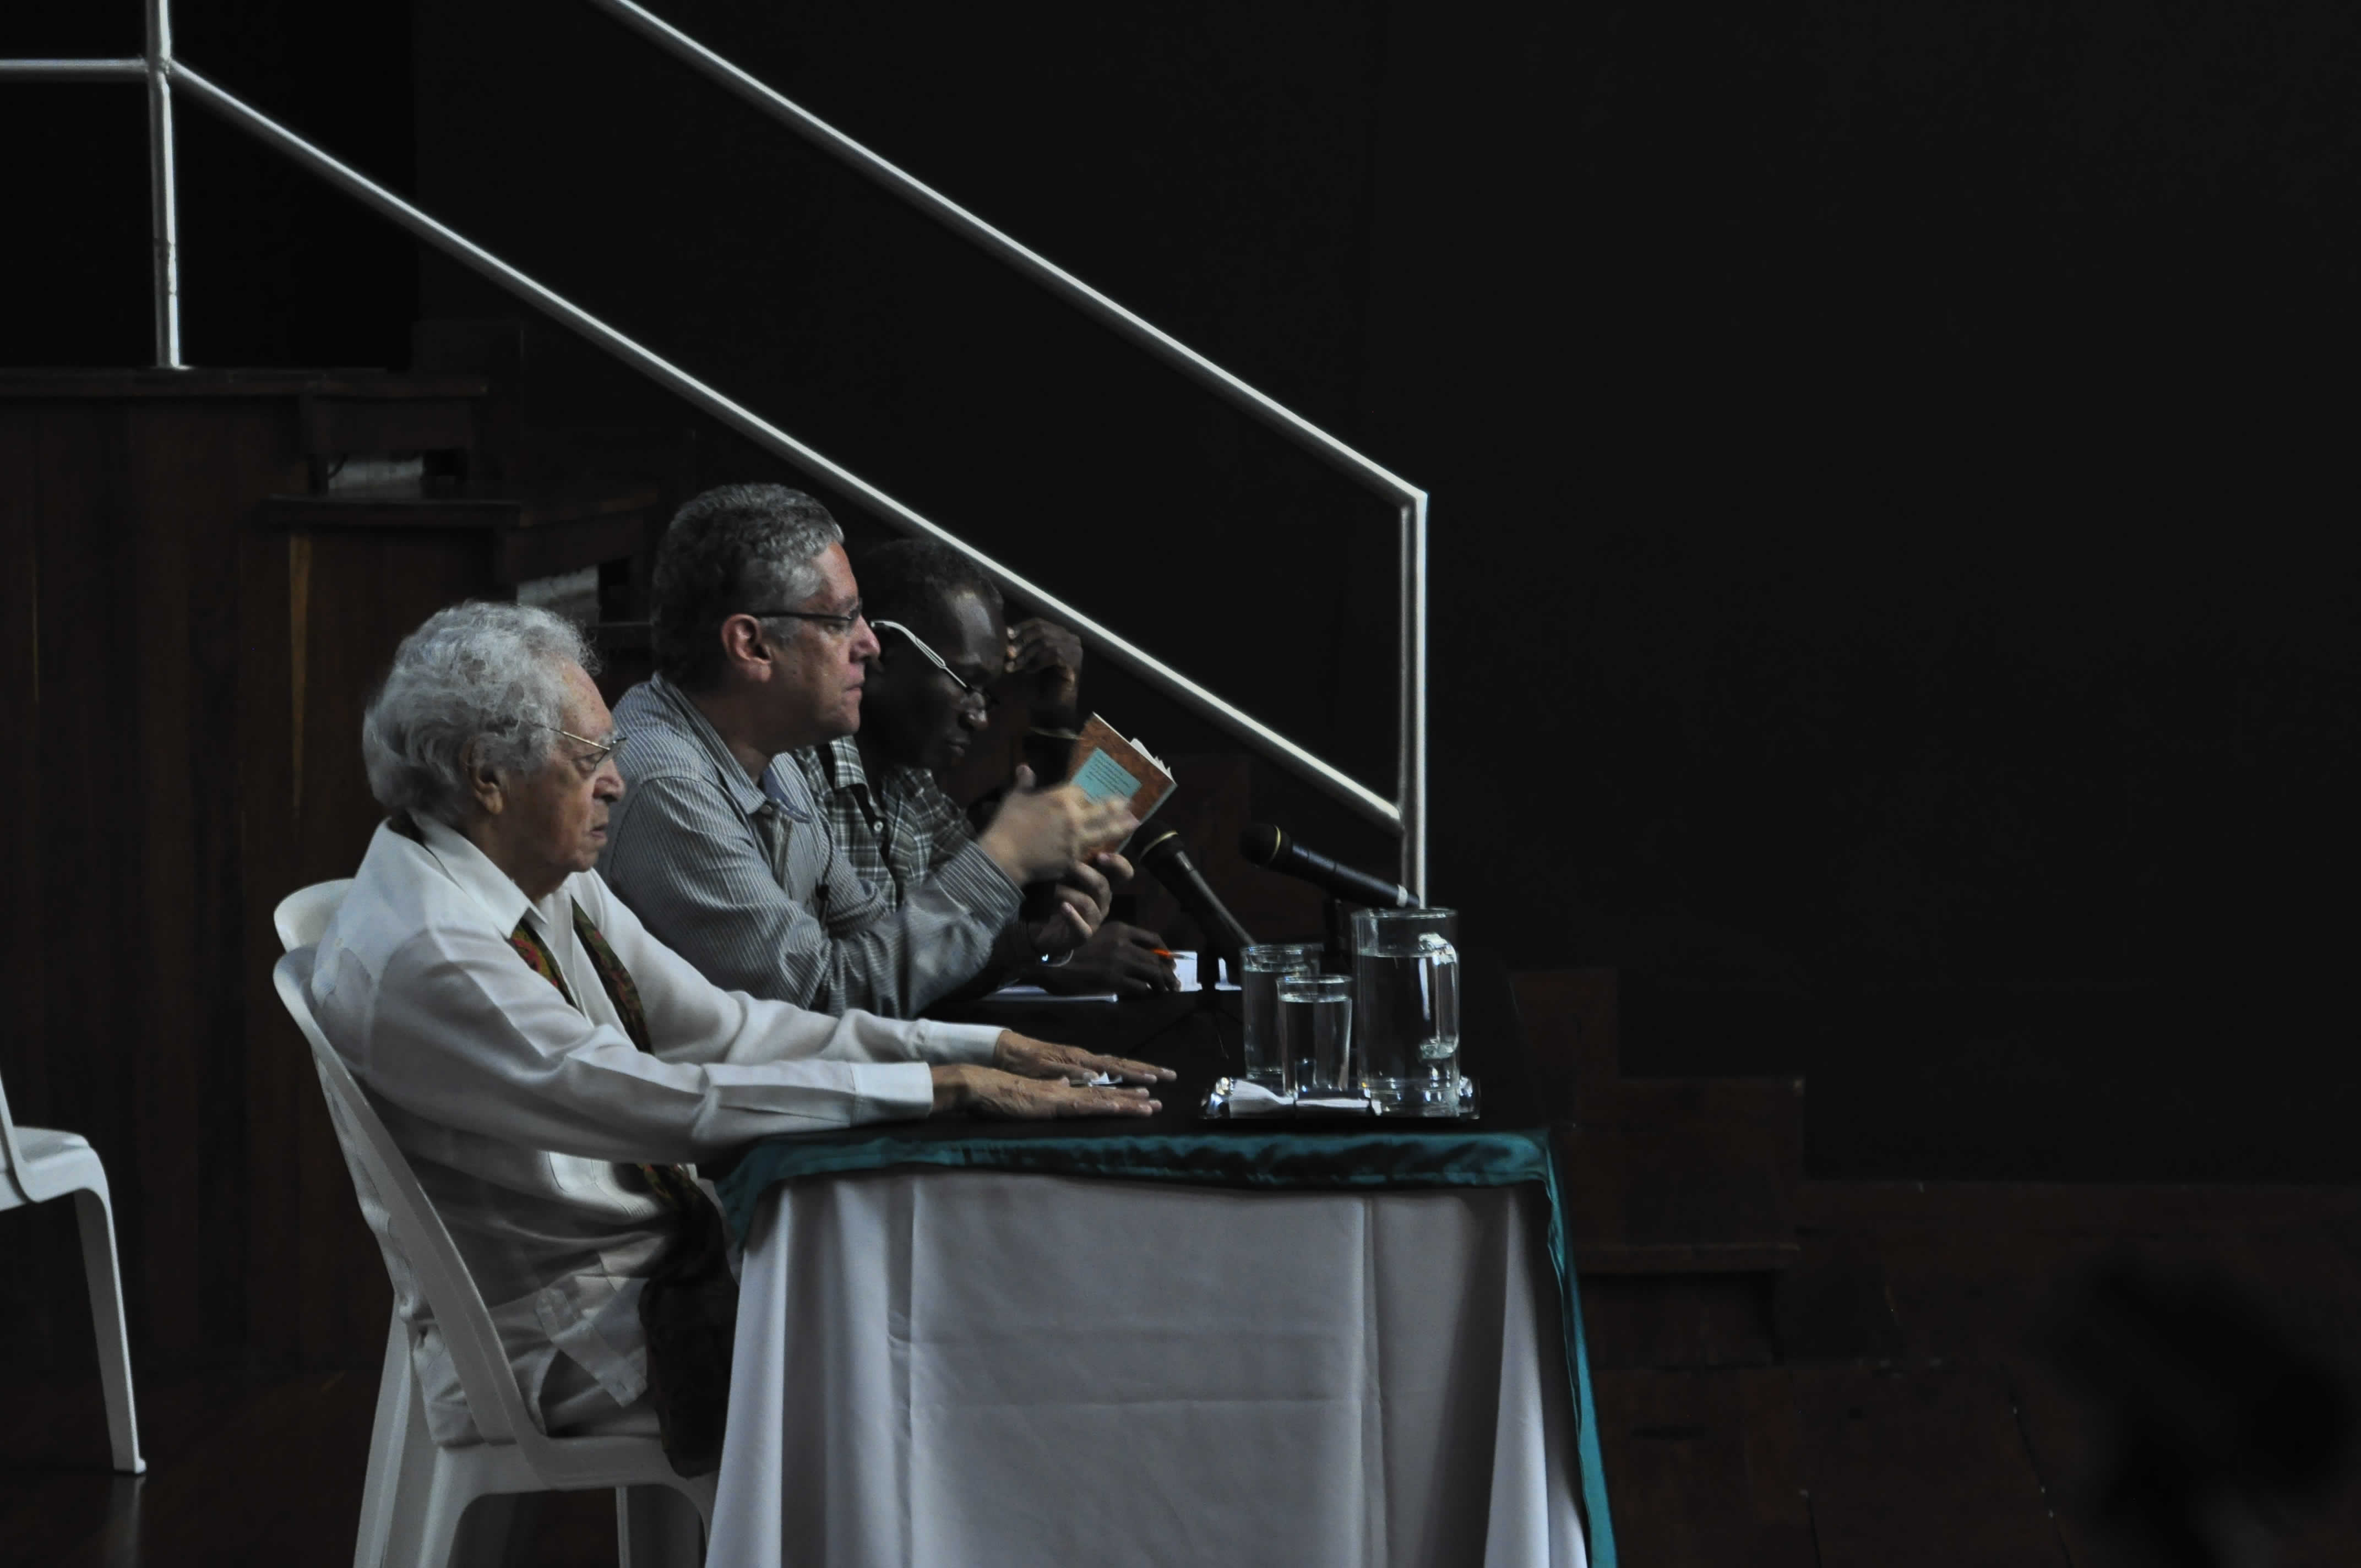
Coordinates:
[1209,1004]
[1219,935]
[1215,948]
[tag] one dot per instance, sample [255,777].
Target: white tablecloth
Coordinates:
[961,1369]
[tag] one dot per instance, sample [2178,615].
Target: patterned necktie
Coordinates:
[689,1306]
[672,1183]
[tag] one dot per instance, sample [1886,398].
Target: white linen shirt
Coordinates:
[514,1106]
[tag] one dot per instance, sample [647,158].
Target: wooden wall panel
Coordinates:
[183,672]
[38,1286]
[144,686]
[239,449]
[360,592]
[156,465]
[282,1095]
[93,935]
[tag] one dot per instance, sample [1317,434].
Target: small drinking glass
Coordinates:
[1315,1026]
[1261,966]
[1406,989]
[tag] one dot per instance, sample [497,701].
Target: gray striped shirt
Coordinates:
[743,880]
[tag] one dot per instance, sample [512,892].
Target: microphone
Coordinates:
[1168,857]
[1271,847]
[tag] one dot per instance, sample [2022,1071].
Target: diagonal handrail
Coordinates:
[960,221]
[1405,816]
[131,69]
[755,427]
[1409,817]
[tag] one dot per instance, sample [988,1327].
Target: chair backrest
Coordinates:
[304,915]
[10,1160]
[475,1346]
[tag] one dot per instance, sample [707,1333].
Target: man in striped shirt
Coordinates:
[719,844]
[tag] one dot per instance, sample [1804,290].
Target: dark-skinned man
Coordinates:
[928,697]
[762,648]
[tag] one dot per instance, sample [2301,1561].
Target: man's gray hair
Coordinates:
[737,549]
[490,673]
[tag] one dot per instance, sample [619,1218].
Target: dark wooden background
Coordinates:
[147,628]
[191,634]
[1894,591]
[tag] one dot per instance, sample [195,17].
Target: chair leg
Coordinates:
[698,1493]
[389,1448]
[419,1475]
[437,1517]
[106,1282]
[657,1527]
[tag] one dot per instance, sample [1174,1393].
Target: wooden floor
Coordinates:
[1909,1420]
[241,1470]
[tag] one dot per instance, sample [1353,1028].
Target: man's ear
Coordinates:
[743,647]
[484,785]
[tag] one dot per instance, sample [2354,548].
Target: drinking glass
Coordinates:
[1261,966]
[1406,991]
[1315,1028]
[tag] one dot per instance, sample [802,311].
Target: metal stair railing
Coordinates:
[1404,815]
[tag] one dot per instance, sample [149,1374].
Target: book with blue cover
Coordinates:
[1106,766]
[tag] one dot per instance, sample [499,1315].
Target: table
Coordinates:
[1185,1341]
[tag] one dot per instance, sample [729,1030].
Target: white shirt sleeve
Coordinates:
[691,1019]
[464,1034]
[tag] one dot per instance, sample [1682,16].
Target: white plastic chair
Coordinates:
[413,1483]
[303,916]
[42,1163]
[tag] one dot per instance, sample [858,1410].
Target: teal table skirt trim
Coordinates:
[1329,1161]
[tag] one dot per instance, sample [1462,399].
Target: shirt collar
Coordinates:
[846,770]
[751,797]
[478,877]
[841,759]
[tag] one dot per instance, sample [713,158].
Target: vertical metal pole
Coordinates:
[1410,781]
[164,203]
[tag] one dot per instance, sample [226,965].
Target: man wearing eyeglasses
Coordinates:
[542,1060]
[762,648]
[929,699]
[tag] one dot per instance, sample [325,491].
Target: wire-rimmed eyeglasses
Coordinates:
[599,750]
[837,625]
[969,693]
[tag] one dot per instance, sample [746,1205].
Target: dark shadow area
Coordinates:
[1893,592]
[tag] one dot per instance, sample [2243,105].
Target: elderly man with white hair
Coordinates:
[549,1068]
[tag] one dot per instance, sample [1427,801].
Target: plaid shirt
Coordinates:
[894,835]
